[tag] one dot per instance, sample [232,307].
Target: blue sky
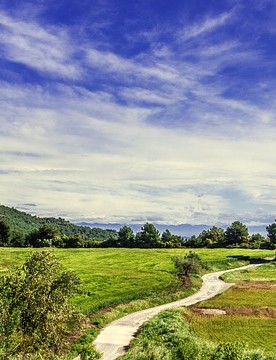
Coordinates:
[134,111]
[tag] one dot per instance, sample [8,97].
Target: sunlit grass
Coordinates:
[257,333]
[240,297]
[113,276]
[261,273]
[250,294]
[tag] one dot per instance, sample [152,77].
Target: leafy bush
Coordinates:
[35,315]
[188,265]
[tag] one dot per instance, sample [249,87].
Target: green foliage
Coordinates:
[86,351]
[190,264]
[35,314]
[168,240]
[210,238]
[23,224]
[45,236]
[126,237]
[236,234]
[73,241]
[229,351]
[148,237]
[257,241]
[5,233]
[271,232]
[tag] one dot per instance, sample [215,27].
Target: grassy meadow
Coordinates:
[250,310]
[112,276]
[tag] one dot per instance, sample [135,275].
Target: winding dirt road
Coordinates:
[116,336]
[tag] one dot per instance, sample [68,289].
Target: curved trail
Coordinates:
[116,336]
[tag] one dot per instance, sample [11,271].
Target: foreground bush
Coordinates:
[35,315]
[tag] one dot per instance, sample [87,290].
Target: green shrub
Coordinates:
[35,315]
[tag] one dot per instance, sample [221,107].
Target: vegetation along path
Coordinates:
[114,339]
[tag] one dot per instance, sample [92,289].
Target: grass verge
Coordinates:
[167,336]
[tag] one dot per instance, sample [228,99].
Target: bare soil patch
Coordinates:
[261,285]
[240,311]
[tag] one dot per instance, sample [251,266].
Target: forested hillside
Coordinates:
[22,223]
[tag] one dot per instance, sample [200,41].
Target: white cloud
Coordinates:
[47,50]
[123,169]
[112,63]
[149,143]
[205,26]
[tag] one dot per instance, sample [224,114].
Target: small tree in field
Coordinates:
[35,315]
[188,265]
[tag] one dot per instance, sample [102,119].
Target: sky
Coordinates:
[133,111]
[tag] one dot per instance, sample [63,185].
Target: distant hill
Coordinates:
[24,223]
[184,230]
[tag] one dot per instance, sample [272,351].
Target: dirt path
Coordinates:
[115,337]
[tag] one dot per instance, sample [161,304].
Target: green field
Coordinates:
[240,297]
[254,294]
[112,276]
[257,333]
[260,273]
[254,288]
[116,276]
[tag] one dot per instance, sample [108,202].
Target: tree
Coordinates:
[5,233]
[35,314]
[148,237]
[271,232]
[76,241]
[44,236]
[236,234]
[18,239]
[211,237]
[126,237]
[168,240]
[188,265]
[256,241]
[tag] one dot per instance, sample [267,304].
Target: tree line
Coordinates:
[50,235]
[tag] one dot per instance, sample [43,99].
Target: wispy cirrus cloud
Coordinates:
[46,50]
[205,26]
